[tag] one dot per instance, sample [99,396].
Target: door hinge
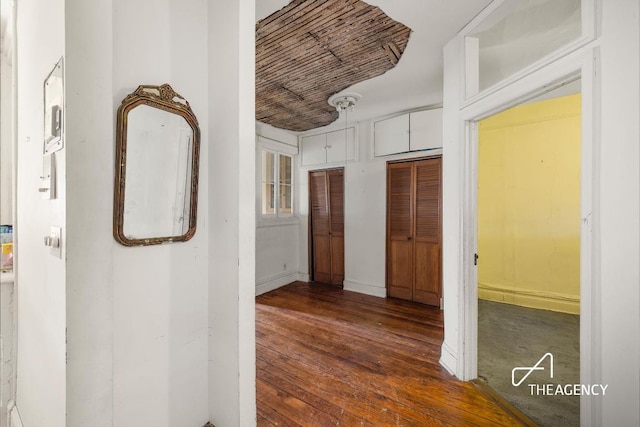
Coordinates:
[475,259]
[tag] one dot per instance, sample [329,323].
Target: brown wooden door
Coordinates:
[414,230]
[400,230]
[327,225]
[428,229]
[335,180]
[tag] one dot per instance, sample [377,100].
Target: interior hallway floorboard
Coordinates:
[328,357]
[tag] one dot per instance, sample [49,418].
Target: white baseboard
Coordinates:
[14,419]
[303,277]
[449,359]
[365,288]
[276,281]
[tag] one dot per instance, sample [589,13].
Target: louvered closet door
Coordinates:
[400,230]
[335,179]
[320,227]
[414,236]
[327,225]
[428,225]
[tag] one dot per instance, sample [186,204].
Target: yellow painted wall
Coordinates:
[529,205]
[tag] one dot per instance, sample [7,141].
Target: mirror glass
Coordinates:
[157,166]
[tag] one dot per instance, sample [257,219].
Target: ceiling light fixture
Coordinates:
[345,101]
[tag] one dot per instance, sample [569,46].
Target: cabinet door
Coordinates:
[391,136]
[400,231]
[313,150]
[425,129]
[320,226]
[326,190]
[335,179]
[428,225]
[336,145]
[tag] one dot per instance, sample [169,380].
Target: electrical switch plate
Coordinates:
[55,241]
[48,177]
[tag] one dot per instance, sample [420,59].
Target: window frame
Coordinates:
[278,149]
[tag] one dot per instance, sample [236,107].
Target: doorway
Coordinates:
[326,226]
[414,230]
[528,242]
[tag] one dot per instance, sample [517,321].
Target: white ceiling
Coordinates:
[417,79]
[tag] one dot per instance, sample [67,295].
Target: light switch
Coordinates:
[54,241]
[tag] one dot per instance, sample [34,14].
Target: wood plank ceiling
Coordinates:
[312,49]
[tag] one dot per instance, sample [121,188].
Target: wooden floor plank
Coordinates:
[331,357]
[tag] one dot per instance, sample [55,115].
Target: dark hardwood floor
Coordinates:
[328,357]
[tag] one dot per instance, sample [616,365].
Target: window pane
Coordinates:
[286,197]
[521,32]
[285,169]
[268,198]
[268,166]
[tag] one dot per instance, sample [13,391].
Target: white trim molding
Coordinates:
[461,114]
[448,359]
[276,281]
[13,417]
[365,288]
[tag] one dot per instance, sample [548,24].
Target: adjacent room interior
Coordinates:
[528,197]
[529,250]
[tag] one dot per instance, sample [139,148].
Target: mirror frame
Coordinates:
[165,98]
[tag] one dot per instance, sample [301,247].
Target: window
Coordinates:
[277,185]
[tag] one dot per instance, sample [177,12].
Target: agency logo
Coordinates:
[530,369]
[545,364]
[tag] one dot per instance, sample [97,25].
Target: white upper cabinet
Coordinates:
[391,135]
[425,129]
[314,150]
[336,141]
[421,130]
[329,147]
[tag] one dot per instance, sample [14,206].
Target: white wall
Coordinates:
[452,174]
[614,268]
[7,304]
[232,232]
[156,335]
[7,334]
[276,256]
[41,294]
[276,240]
[365,213]
[89,148]
[160,293]
[6,141]
[619,211]
[137,317]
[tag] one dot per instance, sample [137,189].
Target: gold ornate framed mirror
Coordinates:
[156,168]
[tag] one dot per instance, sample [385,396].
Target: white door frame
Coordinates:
[583,64]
